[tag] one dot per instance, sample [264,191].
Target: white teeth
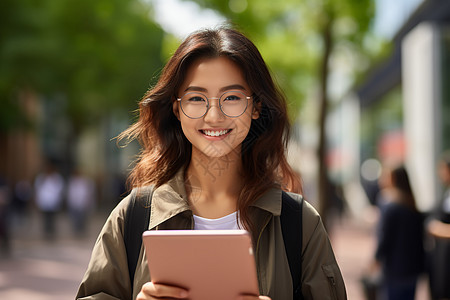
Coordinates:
[215,133]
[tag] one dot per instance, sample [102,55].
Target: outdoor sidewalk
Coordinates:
[38,269]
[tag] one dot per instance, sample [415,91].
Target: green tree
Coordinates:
[98,57]
[112,52]
[100,54]
[298,40]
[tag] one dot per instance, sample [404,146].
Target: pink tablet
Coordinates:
[211,264]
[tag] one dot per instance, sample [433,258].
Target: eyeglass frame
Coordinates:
[208,104]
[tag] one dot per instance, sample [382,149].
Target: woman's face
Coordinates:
[215,134]
[444,173]
[386,181]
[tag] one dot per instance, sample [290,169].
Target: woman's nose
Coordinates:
[214,113]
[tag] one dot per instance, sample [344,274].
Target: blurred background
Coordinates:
[366,81]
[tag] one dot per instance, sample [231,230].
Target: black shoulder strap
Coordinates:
[291,226]
[136,222]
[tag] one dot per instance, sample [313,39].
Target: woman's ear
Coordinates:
[175,109]
[256,110]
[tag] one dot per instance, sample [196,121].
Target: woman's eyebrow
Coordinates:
[233,87]
[195,89]
[223,89]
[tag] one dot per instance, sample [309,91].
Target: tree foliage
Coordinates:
[299,39]
[99,56]
[289,33]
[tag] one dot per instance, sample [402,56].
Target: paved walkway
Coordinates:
[40,269]
[37,269]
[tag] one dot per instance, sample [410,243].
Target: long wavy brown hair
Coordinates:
[165,149]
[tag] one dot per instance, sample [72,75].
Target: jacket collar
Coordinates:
[170,199]
[270,201]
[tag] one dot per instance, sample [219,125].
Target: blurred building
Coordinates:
[20,154]
[405,101]
[49,138]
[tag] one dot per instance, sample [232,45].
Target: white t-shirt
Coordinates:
[228,222]
[80,193]
[49,191]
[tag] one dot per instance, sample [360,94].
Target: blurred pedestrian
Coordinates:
[23,194]
[438,228]
[80,200]
[400,253]
[49,188]
[5,200]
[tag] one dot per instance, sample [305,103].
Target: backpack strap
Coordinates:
[291,226]
[138,216]
[136,222]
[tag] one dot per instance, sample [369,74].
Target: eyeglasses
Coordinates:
[232,103]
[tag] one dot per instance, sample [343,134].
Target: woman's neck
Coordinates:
[213,185]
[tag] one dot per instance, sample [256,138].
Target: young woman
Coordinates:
[214,131]
[400,250]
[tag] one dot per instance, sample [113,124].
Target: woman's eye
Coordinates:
[196,99]
[232,98]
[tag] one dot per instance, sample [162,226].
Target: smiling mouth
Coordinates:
[215,133]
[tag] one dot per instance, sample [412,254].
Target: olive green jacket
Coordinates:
[107,274]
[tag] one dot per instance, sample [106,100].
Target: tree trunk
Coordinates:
[323,182]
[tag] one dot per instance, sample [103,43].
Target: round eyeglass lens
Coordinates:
[194,105]
[233,103]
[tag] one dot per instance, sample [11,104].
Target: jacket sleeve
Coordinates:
[106,277]
[321,276]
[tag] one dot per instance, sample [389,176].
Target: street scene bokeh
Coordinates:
[367,86]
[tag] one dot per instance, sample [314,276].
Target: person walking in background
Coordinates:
[400,253]
[22,196]
[49,188]
[80,200]
[5,199]
[438,228]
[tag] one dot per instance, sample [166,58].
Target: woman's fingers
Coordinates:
[248,297]
[151,290]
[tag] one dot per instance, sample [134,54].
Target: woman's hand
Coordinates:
[152,290]
[246,297]
[439,229]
